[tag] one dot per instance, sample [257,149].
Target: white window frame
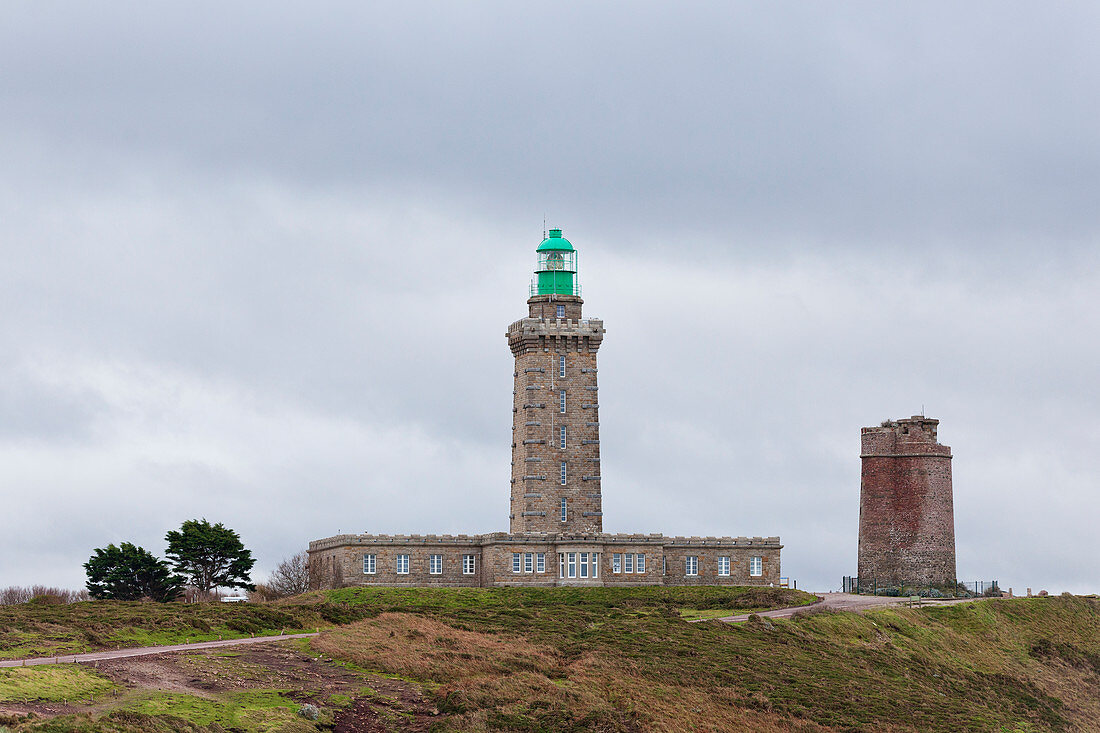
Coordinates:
[583,563]
[435,564]
[616,562]
[561,401]
[564,508]
[560,311]
[561,437]
[401,562]
[723,565]
[561,564]
[756,566]
[571,564]
[540,562]
[628,563]
[691,565]
[528,562]
[516,562]
[561,365]
[595,564]
[370,564]
[469,564]
[639,563]
[564,476]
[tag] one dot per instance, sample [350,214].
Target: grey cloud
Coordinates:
[269,255]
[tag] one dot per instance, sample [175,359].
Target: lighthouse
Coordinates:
[556,407]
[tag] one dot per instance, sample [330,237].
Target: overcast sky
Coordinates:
[259,259]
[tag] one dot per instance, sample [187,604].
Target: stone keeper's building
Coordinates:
[555,511]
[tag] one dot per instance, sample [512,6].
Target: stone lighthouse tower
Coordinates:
[555,407]
[906,515]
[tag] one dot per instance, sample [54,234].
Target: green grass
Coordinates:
[52,683]
[253,710]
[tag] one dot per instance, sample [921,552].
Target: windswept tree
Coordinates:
[210,556]
[291,576]
[129,573]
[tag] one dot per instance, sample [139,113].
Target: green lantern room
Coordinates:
[557,268]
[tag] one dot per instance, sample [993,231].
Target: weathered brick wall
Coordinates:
[537,490]
[906,513]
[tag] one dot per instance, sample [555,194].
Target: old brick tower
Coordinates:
[555,411]
[906,517]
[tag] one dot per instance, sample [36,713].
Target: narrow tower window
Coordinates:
[563,484]
[561,401]
[561,437]
[564,508]
[561,365]
[561,309]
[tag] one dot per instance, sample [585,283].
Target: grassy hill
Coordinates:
[616,660]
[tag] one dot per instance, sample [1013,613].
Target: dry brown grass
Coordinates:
[490,682]
[425,649]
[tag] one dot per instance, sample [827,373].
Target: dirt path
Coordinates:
[142,651]
[358,701]
[840,602]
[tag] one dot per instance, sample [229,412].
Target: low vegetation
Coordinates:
[33,630]
[56,683]
[528,659]
[16,594]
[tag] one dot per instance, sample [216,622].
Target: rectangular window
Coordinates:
[561,365]
[640,564]
[368,564]
[515,562]
[561,437]
[540,562]
[723,566]
[572,564]
[402,564]
[561,564]
[528,562]
[595,564]
[563,484]
[468,564]
[691,565]
[564,504]
[561,313]
[561,401]
[629,566]
[756,566]
[435,564]
[616,563]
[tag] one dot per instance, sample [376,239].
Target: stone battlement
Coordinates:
[494,538]
[914,436]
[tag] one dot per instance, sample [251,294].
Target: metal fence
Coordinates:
[893,587]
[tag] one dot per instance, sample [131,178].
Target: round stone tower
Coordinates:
[906,516]
[555,410]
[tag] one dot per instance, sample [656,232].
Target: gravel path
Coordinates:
[142,651]
[840,602]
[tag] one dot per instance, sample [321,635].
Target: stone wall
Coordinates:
[906,513]
[538,344]
[338,561]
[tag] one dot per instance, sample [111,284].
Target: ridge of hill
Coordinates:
[624,660]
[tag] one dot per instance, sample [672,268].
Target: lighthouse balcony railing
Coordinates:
[555,289]
[591,322]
